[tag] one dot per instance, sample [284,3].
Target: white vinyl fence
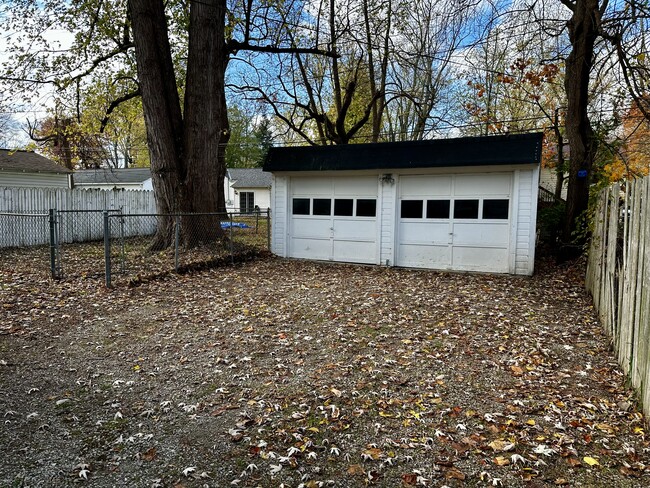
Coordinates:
[618,277]
[25,214]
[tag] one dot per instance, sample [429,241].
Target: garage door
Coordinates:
[458,222]
[334,219]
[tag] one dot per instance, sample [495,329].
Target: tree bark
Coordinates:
[583,31]
[187,148]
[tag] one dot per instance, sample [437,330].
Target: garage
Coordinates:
[334,219]
[465,204]
[456,222]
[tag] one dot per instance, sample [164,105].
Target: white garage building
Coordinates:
[465,204]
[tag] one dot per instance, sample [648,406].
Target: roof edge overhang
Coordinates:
[513,149]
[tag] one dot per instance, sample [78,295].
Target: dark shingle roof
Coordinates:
[111,176]
[437,153]
[28,162]
[249,178]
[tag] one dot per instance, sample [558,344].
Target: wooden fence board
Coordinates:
[618,277]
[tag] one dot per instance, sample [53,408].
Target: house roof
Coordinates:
[28,162]
[249,178]
[111,176]
[437,153]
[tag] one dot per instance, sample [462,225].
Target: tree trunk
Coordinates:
[206,120]
[583,31]
[187,156]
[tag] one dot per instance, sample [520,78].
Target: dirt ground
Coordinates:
[286,373]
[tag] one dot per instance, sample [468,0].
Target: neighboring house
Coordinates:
[466,204]
[114,178]
[30,170]
[548,181]
[247,189]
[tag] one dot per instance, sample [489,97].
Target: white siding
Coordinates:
[33,180]
[548,178]
[516,243]
[279,209]
[262,198]
[526,216]
[387,206]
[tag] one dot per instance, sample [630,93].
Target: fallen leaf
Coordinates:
[453,473]
[591,461]
[501,461]
[409,479]
[356,470]
[149,454]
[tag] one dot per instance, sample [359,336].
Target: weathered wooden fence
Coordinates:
[25,218]
[618,276]
[30,200]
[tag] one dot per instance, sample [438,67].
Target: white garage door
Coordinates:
[458,222]
[334,219]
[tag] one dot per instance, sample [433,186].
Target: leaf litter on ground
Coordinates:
[292,373]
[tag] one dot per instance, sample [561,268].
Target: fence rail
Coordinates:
[618,276]
[117,245]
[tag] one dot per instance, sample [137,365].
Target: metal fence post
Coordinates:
[232,253]
[53,243]
[107,249]
[177,239]
[268,229]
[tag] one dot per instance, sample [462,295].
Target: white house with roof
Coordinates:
[465,204]
[246,189]
[114,179]
[26,169]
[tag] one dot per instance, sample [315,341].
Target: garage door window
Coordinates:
[322,206]
[411,209]
[343,207]
[495,209]
[366,207]
[466,209]
[438,209]
[301,206]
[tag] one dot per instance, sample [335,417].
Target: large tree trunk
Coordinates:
[187,155]
[583,31]
[206,119]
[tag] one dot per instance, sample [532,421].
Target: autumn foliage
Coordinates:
[633,159]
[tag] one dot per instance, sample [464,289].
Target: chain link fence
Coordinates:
[131,248]
[25,238]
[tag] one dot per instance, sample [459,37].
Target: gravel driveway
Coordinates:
[288,373]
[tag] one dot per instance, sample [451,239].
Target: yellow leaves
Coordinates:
[373,452]
[638,430]
[591,461]
[501,461]
[530,422]
[500,445]
[414,414]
